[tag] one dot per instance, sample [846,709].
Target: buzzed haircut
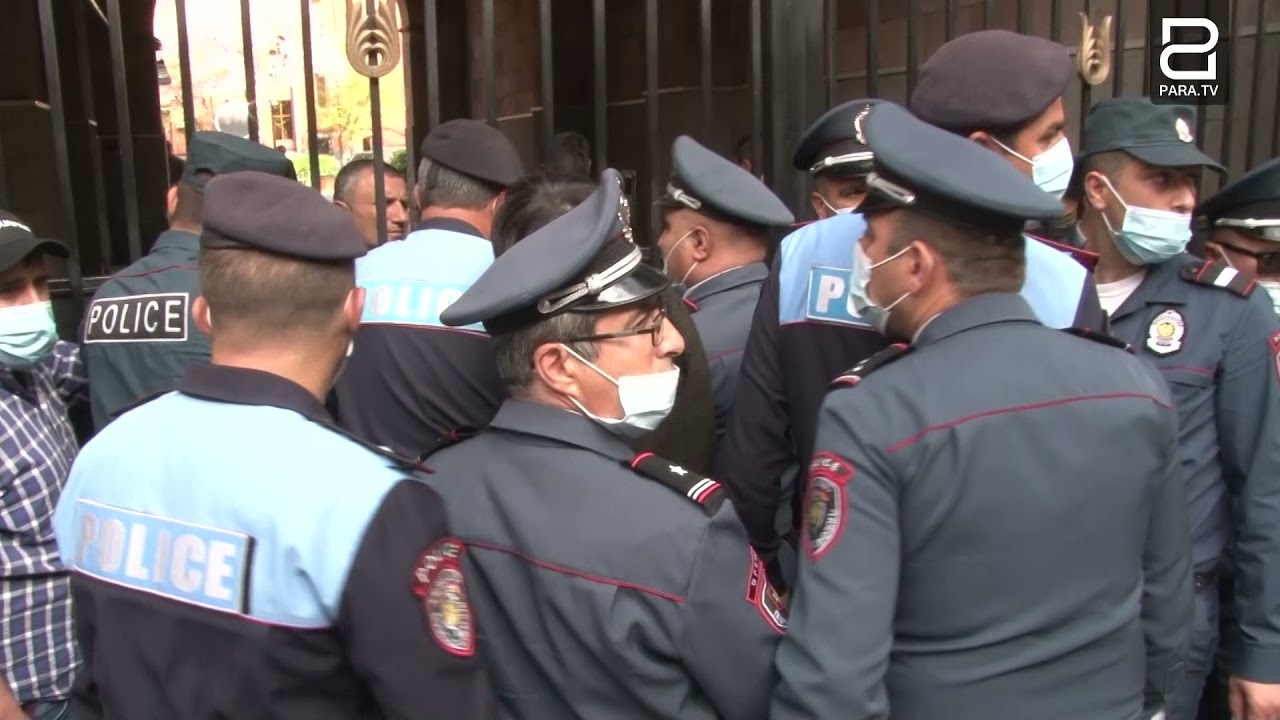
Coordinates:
[189,208]
[440,186]
[349,176]
[568,156]
[532,203]
[269,295]
[976,261]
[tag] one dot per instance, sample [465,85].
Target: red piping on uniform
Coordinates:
[1192,368]
[702,496]
[574,573]
[1249,288]
[726,353]
[1200,272]
[157,270]
[1087,258]
[639,459]
[1020,408]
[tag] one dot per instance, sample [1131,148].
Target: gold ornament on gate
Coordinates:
[373,43]
[1093,57]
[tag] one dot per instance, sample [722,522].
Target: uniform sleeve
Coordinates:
[732,622]
[724,380]
[68,371]
[833,661]
[1167,593]
[405,616]
[1089,313]
[758,449]
[1249,439]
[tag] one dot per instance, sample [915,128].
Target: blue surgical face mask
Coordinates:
[1148,237]
[860,302]
[27,334]
[1051,169]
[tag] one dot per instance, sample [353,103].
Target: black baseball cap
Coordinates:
[17,242]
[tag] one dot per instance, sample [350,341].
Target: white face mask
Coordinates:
[665,257]
[1051,169]
[646,399]
[1273,289]
[836,210]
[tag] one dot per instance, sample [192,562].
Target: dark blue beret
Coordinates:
[705,182]
[948,177]
[219,152]
[584,260]
[991,79]
[1160,135]
[1253,198]
[256,211]
[834,143]
[476,149]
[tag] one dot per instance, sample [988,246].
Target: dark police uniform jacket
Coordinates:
[804,335]
[139,336]
[1217,343]
[965,558]
[603,593]
[411,380]
[234,556]
[723,307]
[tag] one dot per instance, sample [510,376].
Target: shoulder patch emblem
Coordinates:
[439,584]
[855,374]
[824,503]
[1220,275]
[1164,336]
[1104,338]
[761,593]
[702,490]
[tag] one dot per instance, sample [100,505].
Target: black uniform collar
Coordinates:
[1161,286]
[728,280]
[243,386]
[975,312]
[450,224]
[179,239]
[560,425]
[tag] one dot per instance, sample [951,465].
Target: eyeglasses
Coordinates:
[1268,262]
[654,330]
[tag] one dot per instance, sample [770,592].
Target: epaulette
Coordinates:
[398,461]
[454,437]
[1220,275]
[701,490]
[854,375]
[1103,338]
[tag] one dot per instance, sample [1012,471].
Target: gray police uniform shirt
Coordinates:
[723,306]
[965,558]
[1217,343]
[138,334]
[600,593]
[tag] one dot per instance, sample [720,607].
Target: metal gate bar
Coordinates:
[600,98]
[184,72]
[545,48]
[757,87]
[124,132]
[951,20]
[309,88]
[1086,90]
[704,27]
[651,112]
[61,150]
[913,45]
[1228,127]
[375,107]
[490,64]
[873,48]
[832,24]
[1118,51]
[250,85]
[433,62]
[1255,97]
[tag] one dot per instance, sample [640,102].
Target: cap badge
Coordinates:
[857,125]
[1184,130]
[1164,337]
[624,215]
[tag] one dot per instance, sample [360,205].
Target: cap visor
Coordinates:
[15,252]
[877,201]
[643,283]
[1179,155]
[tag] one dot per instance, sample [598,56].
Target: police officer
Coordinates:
[1215,339]
[801,337]
[411,381]
[614,585]
[139,336]
[1023,119]
[715,235]
[235,555]
[961,557]
[1244,224]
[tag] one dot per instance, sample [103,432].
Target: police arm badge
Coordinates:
[439,585]
[1164,336]
[825,503]
[766,599]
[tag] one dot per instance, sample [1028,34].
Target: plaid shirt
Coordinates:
[37,444]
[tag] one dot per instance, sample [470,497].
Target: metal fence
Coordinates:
[793,48]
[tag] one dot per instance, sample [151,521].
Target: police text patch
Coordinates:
[161,317]
[439,584]
[824,503]
[828,299]
[409,302]
[766,599]
[182,561]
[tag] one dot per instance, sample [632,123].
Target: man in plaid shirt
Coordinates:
[40,377]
